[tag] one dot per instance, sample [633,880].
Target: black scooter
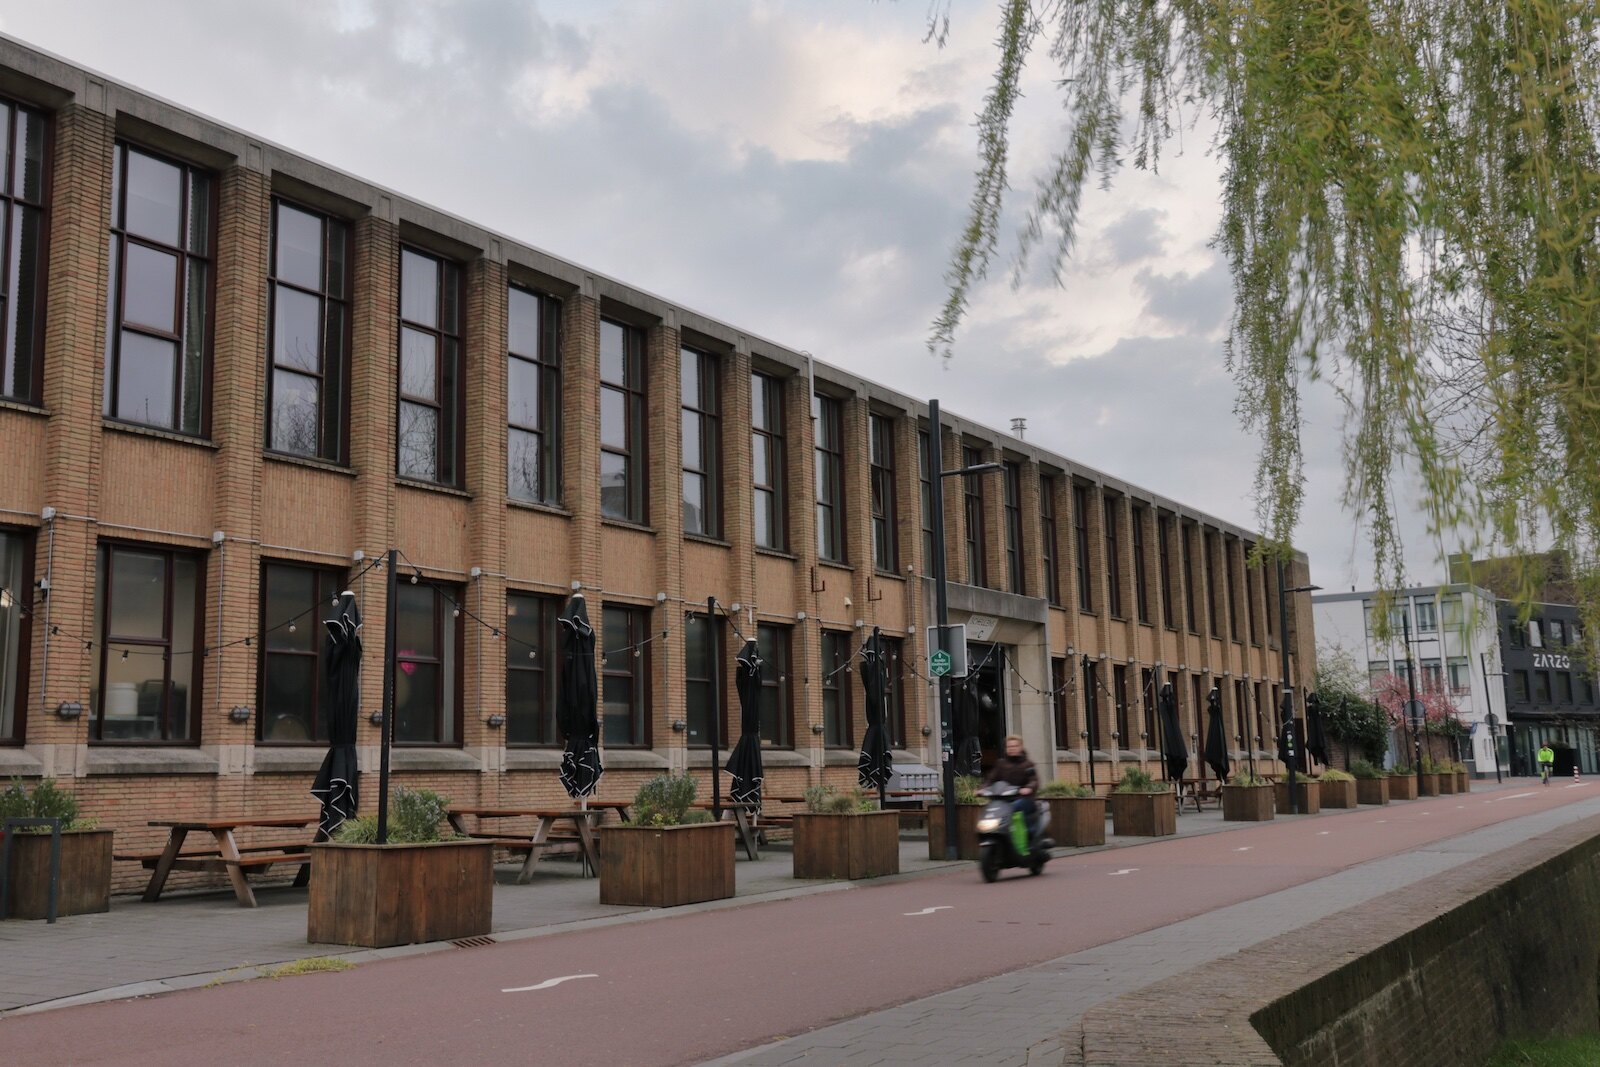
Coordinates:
[997,848]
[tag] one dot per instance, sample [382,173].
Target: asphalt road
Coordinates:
[700,984]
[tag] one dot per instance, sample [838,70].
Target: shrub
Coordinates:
[1337,776]
[827,800]
[966,790]
[664,800]
[1402,770]
[414,818]
[1135,780]
[1362,769]
[1059,788]
[1433,766]
[1245,778]
[46,802]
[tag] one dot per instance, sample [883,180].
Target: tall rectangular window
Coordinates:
[1169,615]
[428,441]
[766,461]
[925,495]
[1563,687]
[1428,617]
[1141,591]
[703,680]
[836,689]
[22,245]
[427,665]
[308,286]
[532,665]
[702,443]
[1119,693]
[895,724]
[828,416]
[1091,702]
[1208,545]
[623,676]
[1519,686]
[1252,578]
[1047,534]
[1233,599]
[16,573]
[1080,537]
[885,549]
[1147,701]
[972,495]
[1460,678]
[1059,697]
[776,709]
[1113,558]
[295,600]
[1190,579]
[533,396]
[622,429]
[1013,508]
[1541,687]
[158,323]
[149,623]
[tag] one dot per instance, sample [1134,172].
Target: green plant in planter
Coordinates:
[1074,790]
[1362,769]
[45,802]
[1245,778]
[1432,766]
[828,800]
[414,818]
[1402,770]
[1332,775]
[966,791]
[665,801]
[1135,780]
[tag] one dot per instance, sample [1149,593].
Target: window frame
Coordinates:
[18,734]
[546,367]
[827,414]
[1061,713]
[1080,536]
[1012,503]
[1091,709]
[1048,533]
[322,595]
[11,201]
[925,498]
[119,240]
[894,670]
[450,274]
[635,450]
[449,689]
[1164,525]
[1119,697]
[1186,549]
[779,659]
[837,676]
[885,525]
[1109,510]
[706,411]
[638,673]
[340,449]
[1230,574]
[546,664]
[973,505]
[105,552]
[772,431]
[1141,577]
[708,627]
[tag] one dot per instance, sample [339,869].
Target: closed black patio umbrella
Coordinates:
[968,755]
[577,716]
[1177,752]
[744,762]
[335,785]
[1216,737]
[1316,736]
[874,767]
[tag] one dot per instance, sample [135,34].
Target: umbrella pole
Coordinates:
[716,712]
[386,726]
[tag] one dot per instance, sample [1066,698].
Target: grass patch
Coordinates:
[310,965]
[1554,1052]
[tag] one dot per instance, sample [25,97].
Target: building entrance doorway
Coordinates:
[985,676]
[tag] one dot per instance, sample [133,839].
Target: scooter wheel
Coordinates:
[1037,866]
[988,863]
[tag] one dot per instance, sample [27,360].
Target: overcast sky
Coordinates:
[797,169]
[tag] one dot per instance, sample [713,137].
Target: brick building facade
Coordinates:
[235,377]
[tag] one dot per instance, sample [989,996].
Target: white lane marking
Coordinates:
[1424,813]
[548,983]
[1324,833]
[1383,820]
[1574,785]
[1513,796]
[1460,805]
[1125,870]
[1244,848]
[930,911]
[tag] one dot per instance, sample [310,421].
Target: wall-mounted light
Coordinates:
[576,586]
[376,718]
[68,709]
[496,721]
[239,713]
[1143,736]
[661,598]
[860,623]
[927,731]
[679,726]
[1083,735]
[475,572]
[799,616]
[816,727]
[736,606]
[217,537]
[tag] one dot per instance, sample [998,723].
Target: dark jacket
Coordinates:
[1014,770]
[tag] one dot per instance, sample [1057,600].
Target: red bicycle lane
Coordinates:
[685,987]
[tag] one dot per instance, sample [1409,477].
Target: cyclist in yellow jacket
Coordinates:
[1547,760]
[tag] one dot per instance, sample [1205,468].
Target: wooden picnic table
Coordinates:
[747,817]
[583,822]
[1198,790]
[227,857]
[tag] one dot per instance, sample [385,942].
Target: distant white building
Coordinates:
[1454,639]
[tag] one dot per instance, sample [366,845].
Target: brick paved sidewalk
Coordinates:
[1015,1019]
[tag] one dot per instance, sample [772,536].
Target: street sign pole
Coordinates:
[942,619]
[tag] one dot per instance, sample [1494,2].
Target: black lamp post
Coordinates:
[942,611]
[1413,703]
[1287,709]
[1493,723]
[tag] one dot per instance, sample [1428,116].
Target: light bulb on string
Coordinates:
[292,627]
[124,655]
[413,579]
[455,613]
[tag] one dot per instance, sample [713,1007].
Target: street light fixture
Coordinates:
[942,610]
[1493,723]
[1287,702]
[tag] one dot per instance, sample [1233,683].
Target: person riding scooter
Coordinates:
[1015,768]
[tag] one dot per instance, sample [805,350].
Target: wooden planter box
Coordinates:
[1430,785]
[1246,803]
[1402,786]
[1372,790]
[866,845]
[1338,794]
[665,866]
[1144,814]
[85,886]
[1463,782]
[382,895]
[1308,793]
[1077,821]
[966,831]
[1447,784]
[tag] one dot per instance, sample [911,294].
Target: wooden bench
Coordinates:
[148,860]
[264,861]
[227,857]
[1197,791]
